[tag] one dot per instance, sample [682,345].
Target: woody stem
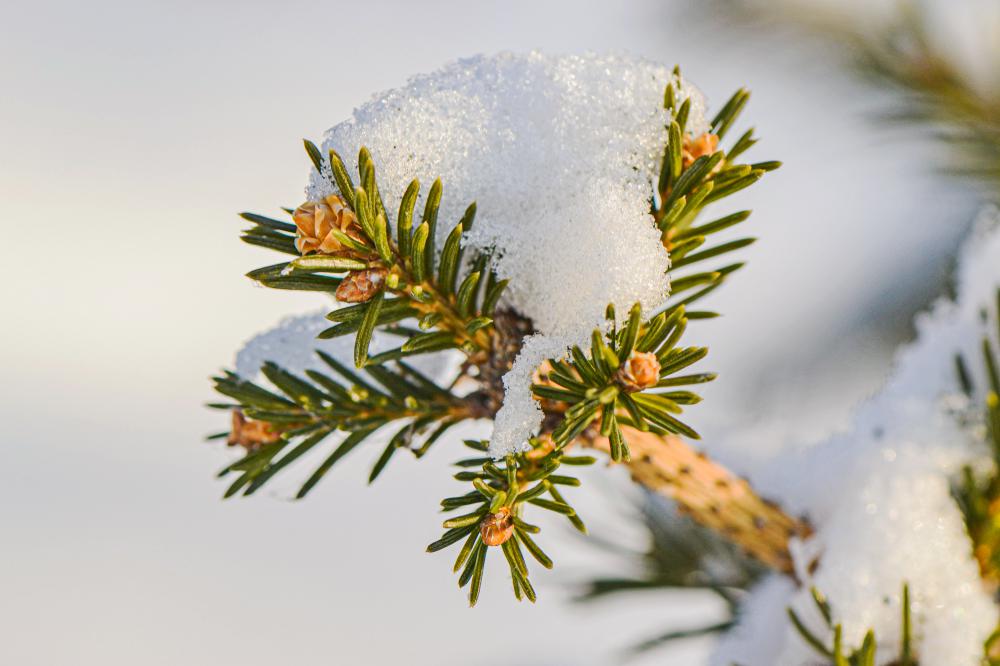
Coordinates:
[710,494]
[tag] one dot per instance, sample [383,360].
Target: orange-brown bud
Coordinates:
[361,286]
[640,371]
[314,220]
[497,528]
[251,434]
[695,147]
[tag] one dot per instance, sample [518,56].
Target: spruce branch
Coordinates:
[310,410]
[937,96]
[610,383]
[695,172]
[978,495]
[501,493]
[622,395]
[348,248]
[710,494]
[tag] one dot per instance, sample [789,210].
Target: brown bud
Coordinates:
[314,220]
[361,286]
[640,371]
[251,434]
[695,147]
[497,528]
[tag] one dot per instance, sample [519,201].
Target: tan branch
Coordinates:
[710,494]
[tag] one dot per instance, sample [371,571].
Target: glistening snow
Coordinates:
[560,154]
[879,496]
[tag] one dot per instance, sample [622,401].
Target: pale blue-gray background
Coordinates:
[130,135]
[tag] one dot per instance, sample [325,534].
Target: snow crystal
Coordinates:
[521,414]
[560,154]
[879,496]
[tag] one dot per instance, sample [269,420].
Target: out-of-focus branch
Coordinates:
[901,53]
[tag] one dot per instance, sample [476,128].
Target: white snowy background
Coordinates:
[131,134]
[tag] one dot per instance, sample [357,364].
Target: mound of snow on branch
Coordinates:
[560,154]
[879,497]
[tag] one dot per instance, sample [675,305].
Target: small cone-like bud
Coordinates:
[251,434]
[497,528]
[639,372]
[695,147]
[361,286]
[314,220]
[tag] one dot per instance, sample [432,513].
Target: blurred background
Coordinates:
[131,133]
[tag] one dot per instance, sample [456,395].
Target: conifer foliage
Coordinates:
[390,276]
